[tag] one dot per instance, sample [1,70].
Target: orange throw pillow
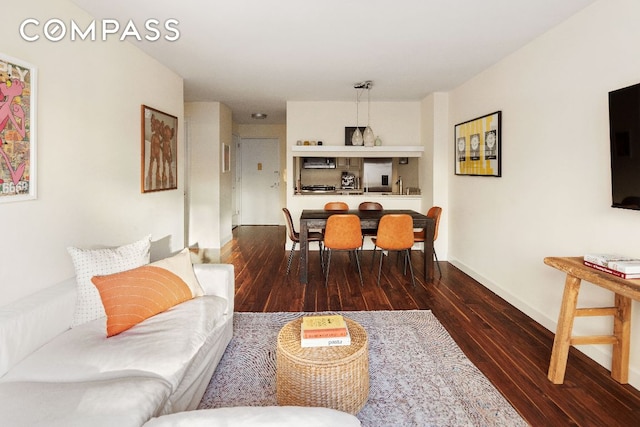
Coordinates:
[132,296]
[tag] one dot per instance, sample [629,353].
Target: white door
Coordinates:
[260,178]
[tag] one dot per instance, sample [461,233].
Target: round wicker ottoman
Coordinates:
[331,377]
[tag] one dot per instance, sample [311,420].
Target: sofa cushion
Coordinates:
[121,402]
[30,322]
[180,264]
[135,295]
[93,262]
[131,296]
[162,346]
[254,416]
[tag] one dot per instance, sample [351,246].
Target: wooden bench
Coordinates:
[625,291]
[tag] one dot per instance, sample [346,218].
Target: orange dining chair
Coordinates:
[295,238]
[395,233]
[418,236]
[369,206]
[336,206]
[342,233]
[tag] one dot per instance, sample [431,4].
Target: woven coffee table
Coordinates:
[331,377]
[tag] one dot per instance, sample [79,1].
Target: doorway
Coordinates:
[259,182]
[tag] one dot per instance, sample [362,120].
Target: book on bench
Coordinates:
[611,271]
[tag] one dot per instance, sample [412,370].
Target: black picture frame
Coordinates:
[478,146]
[348,133]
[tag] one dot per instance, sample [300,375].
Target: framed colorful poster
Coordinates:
[17,130]
[159,150]
[478,146]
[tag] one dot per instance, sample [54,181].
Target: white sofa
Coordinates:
[258,416]
[54,375]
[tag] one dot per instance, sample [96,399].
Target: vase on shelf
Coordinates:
[356,138]
[368,137]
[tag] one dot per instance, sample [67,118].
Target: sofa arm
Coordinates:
[217,279]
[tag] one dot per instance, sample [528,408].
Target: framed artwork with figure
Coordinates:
[18,107]
[159,150]
[478,146]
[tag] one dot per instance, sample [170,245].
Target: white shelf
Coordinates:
[358,151]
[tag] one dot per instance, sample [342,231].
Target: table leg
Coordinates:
[304,252]
[428,251]
[622,331]
[562,341]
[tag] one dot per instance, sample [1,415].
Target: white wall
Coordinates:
[209,188]
[88,154]
[397,123]
[554,195]
[435,170]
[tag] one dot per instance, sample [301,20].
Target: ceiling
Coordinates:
[255,55]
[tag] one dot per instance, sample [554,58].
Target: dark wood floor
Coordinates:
[510,348]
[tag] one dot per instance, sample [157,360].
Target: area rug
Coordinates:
[418,374]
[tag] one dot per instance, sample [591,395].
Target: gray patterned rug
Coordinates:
[418,374]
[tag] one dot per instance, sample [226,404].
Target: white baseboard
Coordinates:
[594,352]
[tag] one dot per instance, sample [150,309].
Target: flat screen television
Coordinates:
[624,129]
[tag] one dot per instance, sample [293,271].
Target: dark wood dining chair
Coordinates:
[336,206]
[294,236]
[395,233]
[369,206]
[418,236]
[342,233]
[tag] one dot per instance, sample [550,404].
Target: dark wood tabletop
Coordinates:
[317,219]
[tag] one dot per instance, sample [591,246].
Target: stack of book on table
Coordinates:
[618,265]
[324,331]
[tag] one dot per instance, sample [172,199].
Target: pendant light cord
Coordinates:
[368,106]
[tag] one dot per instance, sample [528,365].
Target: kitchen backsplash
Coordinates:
[410,173]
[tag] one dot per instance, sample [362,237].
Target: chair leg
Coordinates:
[293,248]
[380,267]
[355,254]
[404,268]
[326,276]
[437,263]
[321,256]
[408,260]
[373,257]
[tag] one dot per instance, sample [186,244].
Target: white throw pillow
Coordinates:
[98,262]
[180,265]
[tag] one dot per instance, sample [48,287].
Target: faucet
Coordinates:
[399,184]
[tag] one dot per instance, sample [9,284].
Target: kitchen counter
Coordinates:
[357,193]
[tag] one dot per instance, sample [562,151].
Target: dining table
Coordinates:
[312,219]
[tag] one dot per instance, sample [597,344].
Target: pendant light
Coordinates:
[356,138]
[368,136]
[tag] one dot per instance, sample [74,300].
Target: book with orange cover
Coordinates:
[324,341]
[324,333]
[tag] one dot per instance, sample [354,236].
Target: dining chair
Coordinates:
[294,236]
[336,206]
[395,233]
[419,236]
[342,233]
[369,206]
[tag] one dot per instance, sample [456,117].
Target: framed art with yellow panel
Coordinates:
[478,146]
